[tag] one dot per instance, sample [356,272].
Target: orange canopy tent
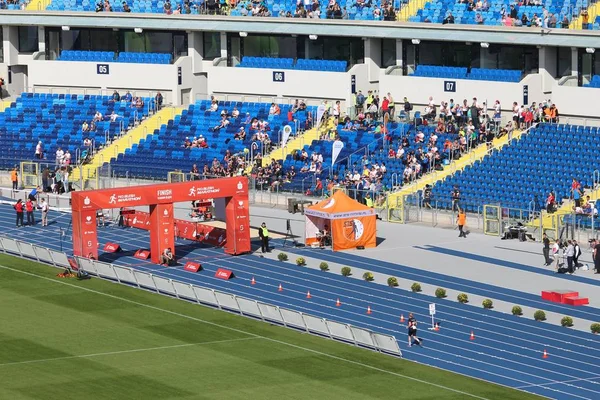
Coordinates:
[350,223]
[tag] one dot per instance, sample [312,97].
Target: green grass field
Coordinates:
[66,339]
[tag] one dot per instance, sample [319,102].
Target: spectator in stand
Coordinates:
[115,96]
[223,124]
[97,116]
[202,142]
[449,18]
[127,97]
[551,114]
[241,134]
[235,113]
[274,110]
[113,116]
[39,150]
[167,8]
[126,7]
[195,173]
[85,127]
[214,106]
[158,99]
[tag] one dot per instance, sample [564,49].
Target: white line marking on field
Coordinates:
[111,353]
[250,334]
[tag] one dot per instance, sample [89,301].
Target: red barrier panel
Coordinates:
[184,229]
[142,254]
[192,266]
[224,274]
[112,247]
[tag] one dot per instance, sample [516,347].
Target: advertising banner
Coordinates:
[337,147]
[162,235]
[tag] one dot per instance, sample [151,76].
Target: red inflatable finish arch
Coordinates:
[160,199]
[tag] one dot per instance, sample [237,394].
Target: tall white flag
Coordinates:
[337,147]
[287,130]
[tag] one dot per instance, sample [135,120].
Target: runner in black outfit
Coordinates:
[412,331]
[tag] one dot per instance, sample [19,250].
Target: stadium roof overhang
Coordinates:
[292,26]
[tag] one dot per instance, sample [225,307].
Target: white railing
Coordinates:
[347,333]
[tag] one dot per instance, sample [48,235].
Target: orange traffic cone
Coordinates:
[308,296]
[368,309]
[253,282]
[402,318]
[280,288]
[472,336]
[545,354]
[338,303]
[436,327]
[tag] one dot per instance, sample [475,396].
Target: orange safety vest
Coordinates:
[462,219]
[13,176]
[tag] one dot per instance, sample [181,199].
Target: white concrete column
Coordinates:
[41,39]
[373,58]
[574,61]
[10,36]
[195,50]
[223,44]
[399,52]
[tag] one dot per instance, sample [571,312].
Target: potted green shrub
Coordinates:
[517,310]
[539,315]
[440,293]
[566,321]
[415,287]
[462,298]
[368,276]
[282,257]
[346,271]
[392,281]
[324,266]
[300,261]
[595,328]
[487,303]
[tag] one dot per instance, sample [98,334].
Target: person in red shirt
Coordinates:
[385,106]
[19,209]
[29,209]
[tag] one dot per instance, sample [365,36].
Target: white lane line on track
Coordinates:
[112,353]
[382,328]
[589,379]
[250,334]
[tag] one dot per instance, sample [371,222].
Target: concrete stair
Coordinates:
[479,153]
[296,143]
[592,10]
[134,136]
[410,9]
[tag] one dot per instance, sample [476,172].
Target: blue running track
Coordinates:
[507,349]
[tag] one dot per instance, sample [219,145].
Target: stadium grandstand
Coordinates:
[382,148]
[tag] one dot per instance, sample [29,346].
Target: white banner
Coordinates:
[320,112]
[338,145]
[287,131]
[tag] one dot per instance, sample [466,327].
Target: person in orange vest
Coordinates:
[461,221]
[29,209]
[14,177]
[19,209]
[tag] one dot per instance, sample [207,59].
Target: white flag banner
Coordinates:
[337,147]
[320,112]
[287,131]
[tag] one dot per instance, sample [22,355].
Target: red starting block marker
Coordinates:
[192,266]
[223,273]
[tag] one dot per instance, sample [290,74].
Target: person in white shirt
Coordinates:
[59,156]
[114,116]
[67,158]
[556,254]
[44,208]
[39,151]
[235,113]
[98,116]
